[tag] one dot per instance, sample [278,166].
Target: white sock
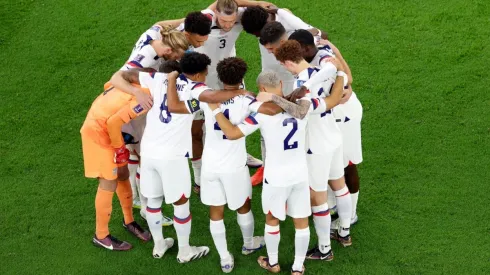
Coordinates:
[322,221]
[154,219]
[143,199]
[218,232]
[272,236]
[196,168]
[182,225]
[354,197]
[262,148]
[344,208]
[246,223]
[301,241]
[332,202]
[133,164]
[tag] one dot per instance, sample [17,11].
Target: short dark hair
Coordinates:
[231,70]
[289,51]
[198,23]
[271,33]
[194,62]
[304,37]
[170,66]
[254,19]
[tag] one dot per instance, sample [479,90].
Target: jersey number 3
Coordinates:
[165,115]
[223,43]
[226,113]
[287,145]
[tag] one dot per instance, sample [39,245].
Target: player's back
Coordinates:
[221,154]
[166,135]
[143,54]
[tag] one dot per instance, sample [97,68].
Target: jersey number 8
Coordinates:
[165,115]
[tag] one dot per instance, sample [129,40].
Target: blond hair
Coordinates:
[227,7]
[173,38]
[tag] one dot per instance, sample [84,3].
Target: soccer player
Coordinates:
[349,112]
[325,157]
[254,21]
[225,176]
[283,193]
[106,158]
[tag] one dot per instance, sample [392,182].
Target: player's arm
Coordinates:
[122,80]
[247,3]
[174,104]
[170,23]
[298,110]
[337,90]
[218,96]
[340,57]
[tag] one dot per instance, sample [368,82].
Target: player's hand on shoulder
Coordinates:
[173,75]
[271,9]
[323,42]
[298,93]
[143,99]
[264,97]
[336,62]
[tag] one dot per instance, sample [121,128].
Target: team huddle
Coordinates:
[181,96]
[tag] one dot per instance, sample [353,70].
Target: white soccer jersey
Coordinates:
[323,133]
[167,135]
[269,61]
[320,56]
[285,140]
[221,155]
[143,54]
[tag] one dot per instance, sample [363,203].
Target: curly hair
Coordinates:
[254,19]
[231,70]
[194,62]
[170,66]
[304,37]
[271,33]
[197,22]
[289,51]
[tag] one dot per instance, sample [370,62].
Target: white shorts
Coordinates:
[232,188]
[293,200]
[350,116]
[165,177]
[322,168]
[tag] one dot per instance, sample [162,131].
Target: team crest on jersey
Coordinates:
[300,83]
[139,57]
[138,109]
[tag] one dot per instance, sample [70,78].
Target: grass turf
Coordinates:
[420,70]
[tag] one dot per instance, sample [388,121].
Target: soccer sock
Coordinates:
[103,210]
[143,199]
[322,221]
[262,148]
[352,181]
[332,202]
[272,238]
[301,241]
[196,167]
[125,196]
[182,225]
[344,208]
[246,223]
[132,167]
[154,219]
[218,232]
[354,198]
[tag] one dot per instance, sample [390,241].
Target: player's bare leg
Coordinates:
[352,181]
[218,232]
[246,222]
[322,221]
[197,148]
[103,210]
[301,241]
[344,208]
[182,225]
[272,238]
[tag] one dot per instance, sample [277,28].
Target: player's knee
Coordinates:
[271,220]
[217,213]
[245,207]
[337,184]
[300,223]
[181,201]
[317,198]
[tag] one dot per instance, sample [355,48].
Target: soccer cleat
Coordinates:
[194,253]
[111,243]
[166,221]
[137,204]
[257,244]
[296,272]
[333,212]
[334,225]
[196,188]
[316,254]
[354,220]
[258,177]
[135,229]
[264,263]
[228,264]
[253,162]
[159,251]
[344,241]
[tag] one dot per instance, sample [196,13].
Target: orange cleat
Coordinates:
[258,177]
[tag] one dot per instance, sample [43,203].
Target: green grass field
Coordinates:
[420,69]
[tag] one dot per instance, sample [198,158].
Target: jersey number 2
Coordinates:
[223,43]
[165,115]
[285,123]
[226,113]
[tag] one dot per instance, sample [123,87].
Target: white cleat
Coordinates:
[137,204]
[257,244]
[228,264]
[193,253]
[253,162]
[159,251]
[354,220]
[166,221]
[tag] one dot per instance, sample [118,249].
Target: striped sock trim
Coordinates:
[182,221]
[153,210]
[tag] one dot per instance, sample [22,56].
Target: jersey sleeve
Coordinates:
[317,106]
[327,71]
[294,21]
[198,88]
[147,80]
[144,58]
[254,106]
[250,124]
